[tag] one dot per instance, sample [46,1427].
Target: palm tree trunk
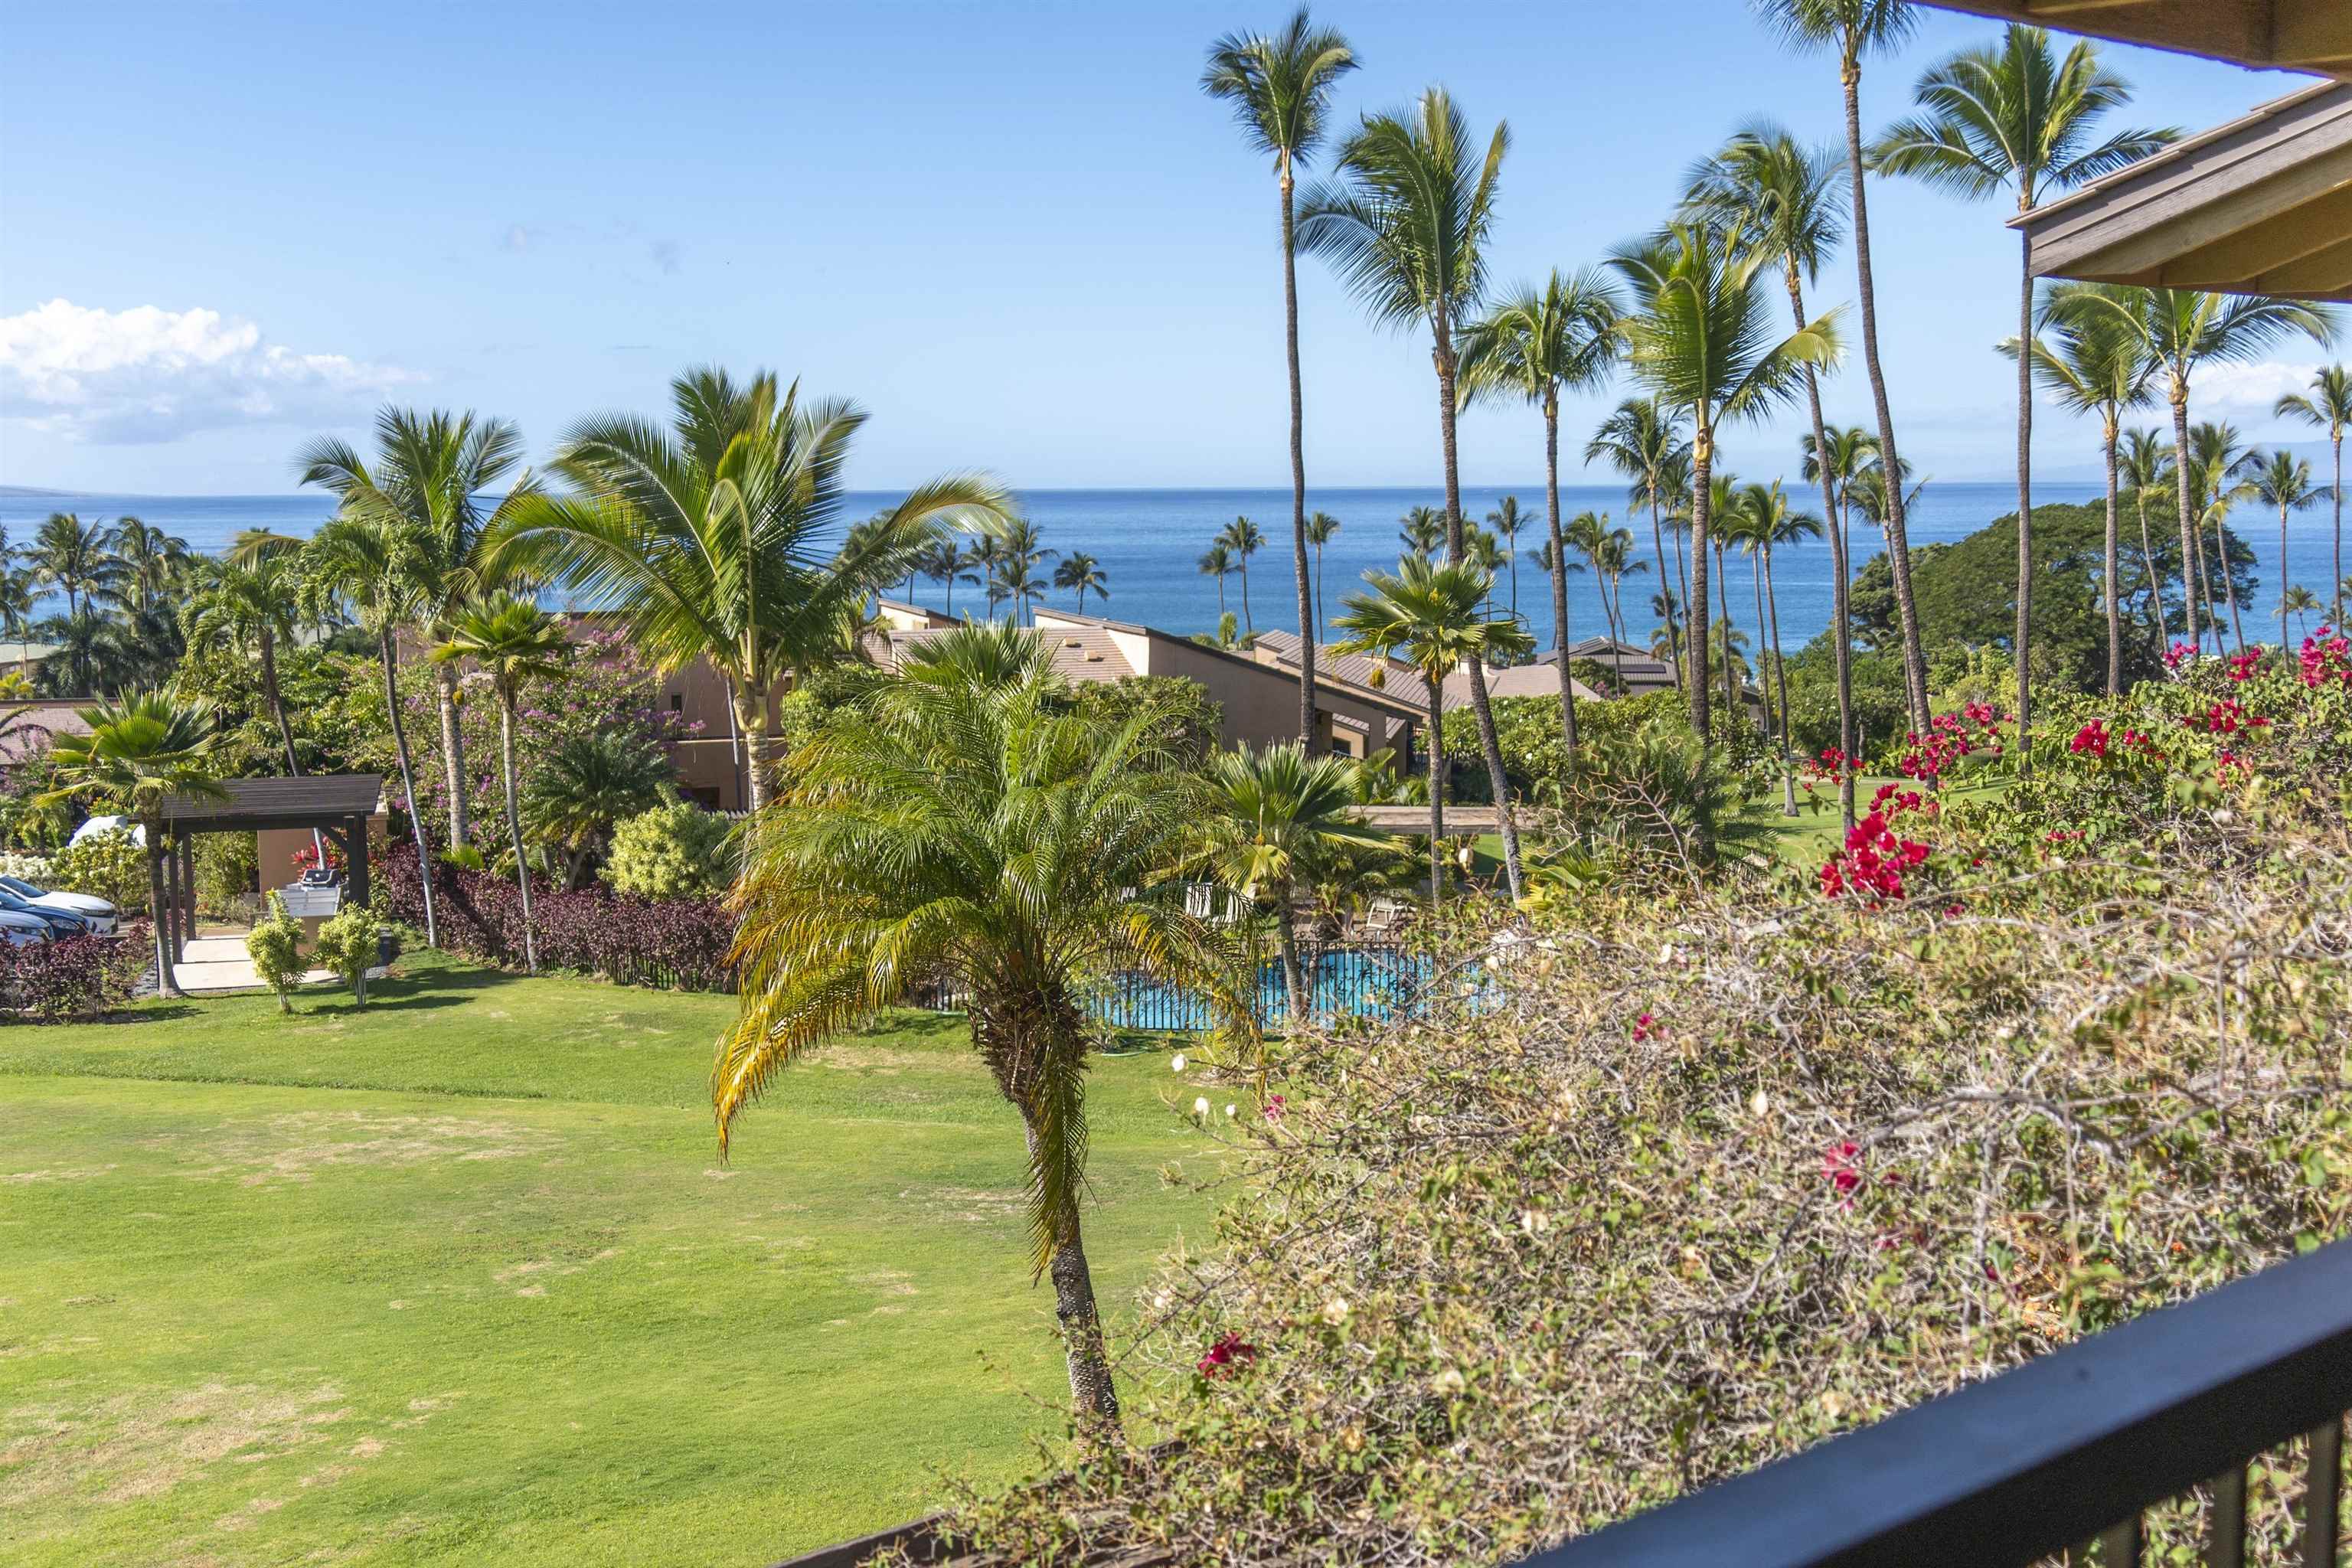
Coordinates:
[1898,535]
[1306,633]
[1319,592]
[2155,583]
[2189,563]
[166,983]
[514,827]
[453,755]
[1436,749]
[751,722]
[1249,622]
[1559,564]
[2282,581]
[1763,681]
[1731,704]
[1694,608]
[2115,565]
[2229,581]
[1841,616]
[2023,642]
[2337,596]
[1479,705]
[1658,548]
[1780,675]
[1294,979]
[408,783]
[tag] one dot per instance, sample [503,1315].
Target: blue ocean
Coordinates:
[1149,543]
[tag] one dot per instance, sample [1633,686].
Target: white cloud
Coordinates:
[123,377]
[2245,390]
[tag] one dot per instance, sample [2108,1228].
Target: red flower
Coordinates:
[1838,1164]
[1646,1028]
[1231,1354]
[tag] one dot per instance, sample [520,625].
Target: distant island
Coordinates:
[24,491]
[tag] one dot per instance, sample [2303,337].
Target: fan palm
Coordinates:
[2283,481]
[2327,404]
[429,472]
[1321,529]
[138,753]
[513,642]
[1785,196]
[1851,30]
[589,783]
[1530,346]
[1280,87]
[1218,561]
[77,559]
[376,566]
[708,536]
[1082,572]
[1640,440]
[1701,343]
[2018,118]
[1244,538]
[980,837]
[1407,227]
[1270,812]
[1432,614]
[2093,362]
[2142,463]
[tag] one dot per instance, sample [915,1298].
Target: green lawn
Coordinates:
[458,1279]
[1814,834]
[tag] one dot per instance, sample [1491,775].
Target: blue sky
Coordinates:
[1017,233]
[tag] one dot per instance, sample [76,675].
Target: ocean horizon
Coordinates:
[1148,541]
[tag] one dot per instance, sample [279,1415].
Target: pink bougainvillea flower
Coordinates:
[1230,1354]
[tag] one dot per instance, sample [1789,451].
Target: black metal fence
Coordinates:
[2065,1453]
[1344,979]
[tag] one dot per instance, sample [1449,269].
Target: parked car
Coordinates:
[97,824]
[97,913]
[22,931]
[62,922]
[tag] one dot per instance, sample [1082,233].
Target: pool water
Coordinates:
[1342,983]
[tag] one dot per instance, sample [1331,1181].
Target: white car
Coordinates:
[97,824]
[96,913]
[22,931]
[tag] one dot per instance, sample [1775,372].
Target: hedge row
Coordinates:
[79,977]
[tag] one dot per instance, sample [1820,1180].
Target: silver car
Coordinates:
[95,913]
[23,931]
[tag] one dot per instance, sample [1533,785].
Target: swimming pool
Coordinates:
[1342,983]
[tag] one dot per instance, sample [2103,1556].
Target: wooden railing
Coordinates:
[2062,1455]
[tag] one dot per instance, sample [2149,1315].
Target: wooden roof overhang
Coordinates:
[315,801]
[2290,34]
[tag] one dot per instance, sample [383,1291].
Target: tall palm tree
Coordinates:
[1016,579]
[1280,87]
[1082,572]
[1701,343]
[78,559]
[140,752]
[943,563]
[1432,614]
[708,536]
[1321,529]
[376,566]
[154,561]
[1502,525]
[429,473]
[2142,463]
[1770,524]
[1608,552]
[252,609]
[514,642]
[1642,442]
[1407,228]
[2327,404]
[2018,118]
[1529,346]
[1852,30]
[1724,505]
[987,556]
[1483,551]
[2093,362]
[1244,538]
[1785,196]
[1217,562]
[2302,601]
[1422,531]
[2283,481]
[980,835]
[16,600]
[1269,812]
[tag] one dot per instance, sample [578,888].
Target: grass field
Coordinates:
[458,1279]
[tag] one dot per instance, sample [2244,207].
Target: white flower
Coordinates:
[1335,1311]
[1448,1382]
[1535,1222]
[1229,1112]
[1758,1103]
[1201,1107]
[1178,1065]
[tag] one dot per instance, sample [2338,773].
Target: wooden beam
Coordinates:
[2316,33]
[2323,275]
[2310,229]
[2187,219]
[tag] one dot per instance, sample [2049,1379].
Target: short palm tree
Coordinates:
[1851,30]
[429,473]
[2144,467]
[16,600]
[1083,573]
[2093,362]
[980,836]
[1529,347]
[1321,529]
[589,783]
[1406,225]
[2018,118]
[1701,343]
[1643,442]
[709,537]
[513,642]
[1218,561]
[77,559]
[138,753]
[1245,539]
[2302,601]
[376,566]
[1280,87]
[1015,580]
[1769,523]
[1786,196]
[1422,531]
[1432,615]
[2328,404]
[1270,812]
[2283,481]
[252,609]
[943,563]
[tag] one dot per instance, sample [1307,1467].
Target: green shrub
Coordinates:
[347,946]
[226,867]
[678,852]
[275,946]
[110,866]
[1188,720]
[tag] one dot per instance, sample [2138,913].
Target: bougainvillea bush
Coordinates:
[79,977]
[1703,1181]
[678,943]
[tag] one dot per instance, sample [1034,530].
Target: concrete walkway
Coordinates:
[213,964]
